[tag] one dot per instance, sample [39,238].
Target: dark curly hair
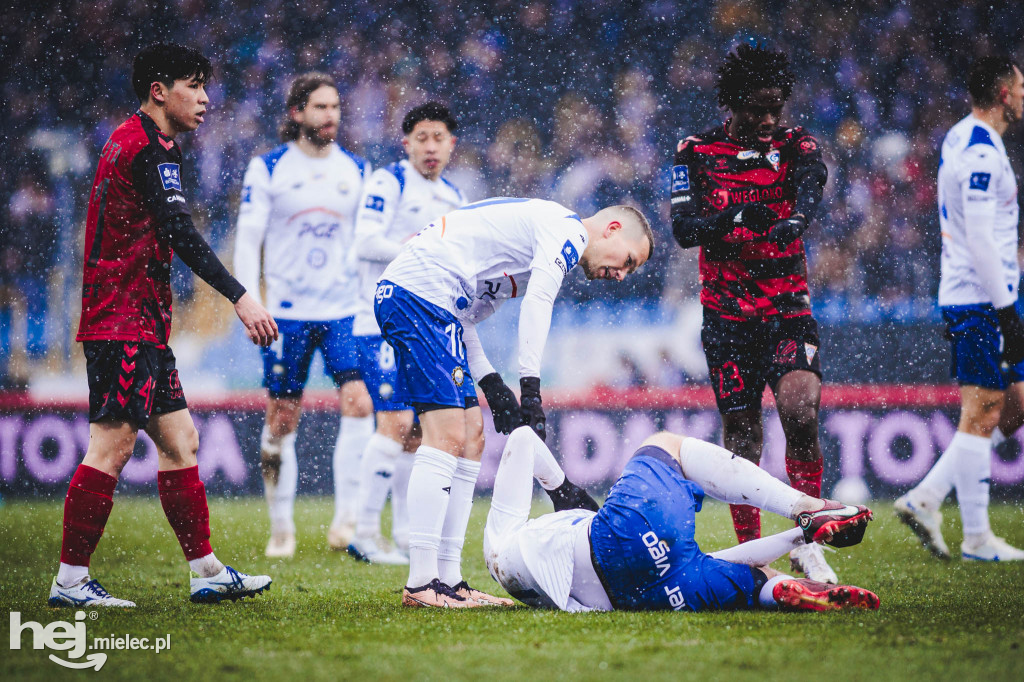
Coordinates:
[751,68]
[298,97]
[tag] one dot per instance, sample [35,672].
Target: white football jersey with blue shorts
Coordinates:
[301,210]
[977,194]
[397,202]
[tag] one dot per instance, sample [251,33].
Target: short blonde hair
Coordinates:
[632,217]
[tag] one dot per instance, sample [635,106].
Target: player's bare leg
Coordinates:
[354,431]
[742,434]
[280,471]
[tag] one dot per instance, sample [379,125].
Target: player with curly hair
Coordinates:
[745,192]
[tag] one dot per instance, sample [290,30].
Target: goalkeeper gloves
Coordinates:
[1012,329]
[530,405]
[502,401]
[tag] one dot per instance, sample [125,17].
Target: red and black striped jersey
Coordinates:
[126,289]
[743,276]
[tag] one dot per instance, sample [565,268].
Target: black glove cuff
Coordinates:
[530,386]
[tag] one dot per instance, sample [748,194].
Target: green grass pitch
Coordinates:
[328,617]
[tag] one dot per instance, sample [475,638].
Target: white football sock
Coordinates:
[765,597]
[282,502]
[939,480]
[429,485]
[762,551]
[375,475]
[732,479]
[68,575]
[453,532]
[206,566]
[400,500]
[269,444]
[353,434]
[972,477]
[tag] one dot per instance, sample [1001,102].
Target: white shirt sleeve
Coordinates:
[377,210]
[535,320]
[479,365]
[253,217]
[981,168]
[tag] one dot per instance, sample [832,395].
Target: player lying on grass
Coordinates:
[638,551]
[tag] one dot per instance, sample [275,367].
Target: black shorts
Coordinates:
[129,381]
[744,356]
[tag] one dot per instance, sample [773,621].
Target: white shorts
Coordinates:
[533,559]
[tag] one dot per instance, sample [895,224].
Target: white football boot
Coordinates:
[281,545]
[376,550]
[228,584]
[85,592]
[810,560]
[926,523]
[990,548]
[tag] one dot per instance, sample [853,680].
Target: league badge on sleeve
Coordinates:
[571,256]
[680,178]
[170,175]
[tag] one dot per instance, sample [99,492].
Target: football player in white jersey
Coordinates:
[638,552]
[977,194]
[397,201]
[447,278]
[298,208]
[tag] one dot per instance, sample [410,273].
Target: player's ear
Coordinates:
[294,113]
[158,92]
[405,143]
[612,227]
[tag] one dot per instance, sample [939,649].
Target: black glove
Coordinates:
[1012,329]
[529,402]
[756,217]
[785,232]
[502,401]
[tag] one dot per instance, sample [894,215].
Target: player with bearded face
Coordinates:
[298,208]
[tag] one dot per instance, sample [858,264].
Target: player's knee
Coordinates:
[799,420]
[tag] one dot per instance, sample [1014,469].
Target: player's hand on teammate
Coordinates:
[502,401]
[785,232]
[1012,329]
[530,406]
[259,325]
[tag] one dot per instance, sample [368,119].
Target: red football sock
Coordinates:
[183,498]
[86,510]
[805,476]
[747,521]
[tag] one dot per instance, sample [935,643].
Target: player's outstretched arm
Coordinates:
[259,324]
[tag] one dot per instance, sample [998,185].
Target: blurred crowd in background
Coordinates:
[581,102]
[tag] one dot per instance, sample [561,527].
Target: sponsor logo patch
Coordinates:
[980,181]
[680,178]
[375,203]
[748,154]
[170,175]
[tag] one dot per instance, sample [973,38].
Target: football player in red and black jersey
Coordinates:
[137,219]
[744,192]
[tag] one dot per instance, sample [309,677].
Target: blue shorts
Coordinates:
[286,361]
[642,542]
[973,331]
[430,355]
[380,373]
